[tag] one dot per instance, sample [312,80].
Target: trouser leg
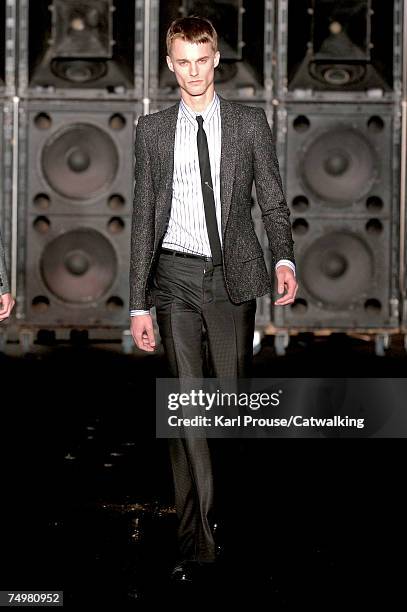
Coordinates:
[190,295]
[180,323]
[230,329]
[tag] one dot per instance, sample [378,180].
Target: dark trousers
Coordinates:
[203,333]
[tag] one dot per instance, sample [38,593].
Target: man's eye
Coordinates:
[203,61]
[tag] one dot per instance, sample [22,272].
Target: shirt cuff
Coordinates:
[286,262]
[135,313]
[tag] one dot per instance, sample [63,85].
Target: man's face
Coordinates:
[193,64]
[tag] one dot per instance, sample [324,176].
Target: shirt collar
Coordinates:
[207,114]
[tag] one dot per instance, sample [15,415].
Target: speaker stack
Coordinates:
[75,75]
[338,83]
[80,84]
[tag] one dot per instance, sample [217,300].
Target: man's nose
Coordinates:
[193,69]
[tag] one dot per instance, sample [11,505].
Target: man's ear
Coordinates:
[169,63]
[216,59]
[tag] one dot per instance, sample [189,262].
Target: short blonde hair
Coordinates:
[192,29]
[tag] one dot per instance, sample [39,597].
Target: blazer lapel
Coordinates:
[166,143]
[227,158]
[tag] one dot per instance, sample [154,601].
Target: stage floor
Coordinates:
[87,492]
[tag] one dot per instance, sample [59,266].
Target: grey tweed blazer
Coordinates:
[247,153]
[4,287]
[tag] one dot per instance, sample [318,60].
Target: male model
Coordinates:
[194,250]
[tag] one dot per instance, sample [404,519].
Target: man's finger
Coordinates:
[138,335]
[6,305]
[150,335]
[5,312]
[138,338]
[281,278]
[282,281]
[146,345]
[284,278]
[289,297]
[291,285]
[144,338]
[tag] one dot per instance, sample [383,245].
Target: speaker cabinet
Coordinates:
[76,204]
[81,48]
[341,168]
[334,49]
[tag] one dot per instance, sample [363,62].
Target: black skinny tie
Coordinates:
[208,194]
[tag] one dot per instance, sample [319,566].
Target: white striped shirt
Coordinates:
[186,229]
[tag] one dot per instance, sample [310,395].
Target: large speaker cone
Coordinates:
[339,166]
[80,161]
[337,74]
[79,71]
[337,269]
[79,267]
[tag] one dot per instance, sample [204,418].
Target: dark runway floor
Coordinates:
[87,498]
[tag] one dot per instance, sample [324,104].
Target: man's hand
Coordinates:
[6,305]
[143,332]
[286,283]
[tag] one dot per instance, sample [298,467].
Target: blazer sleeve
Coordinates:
[142,232]
[270,194]
[4,286]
